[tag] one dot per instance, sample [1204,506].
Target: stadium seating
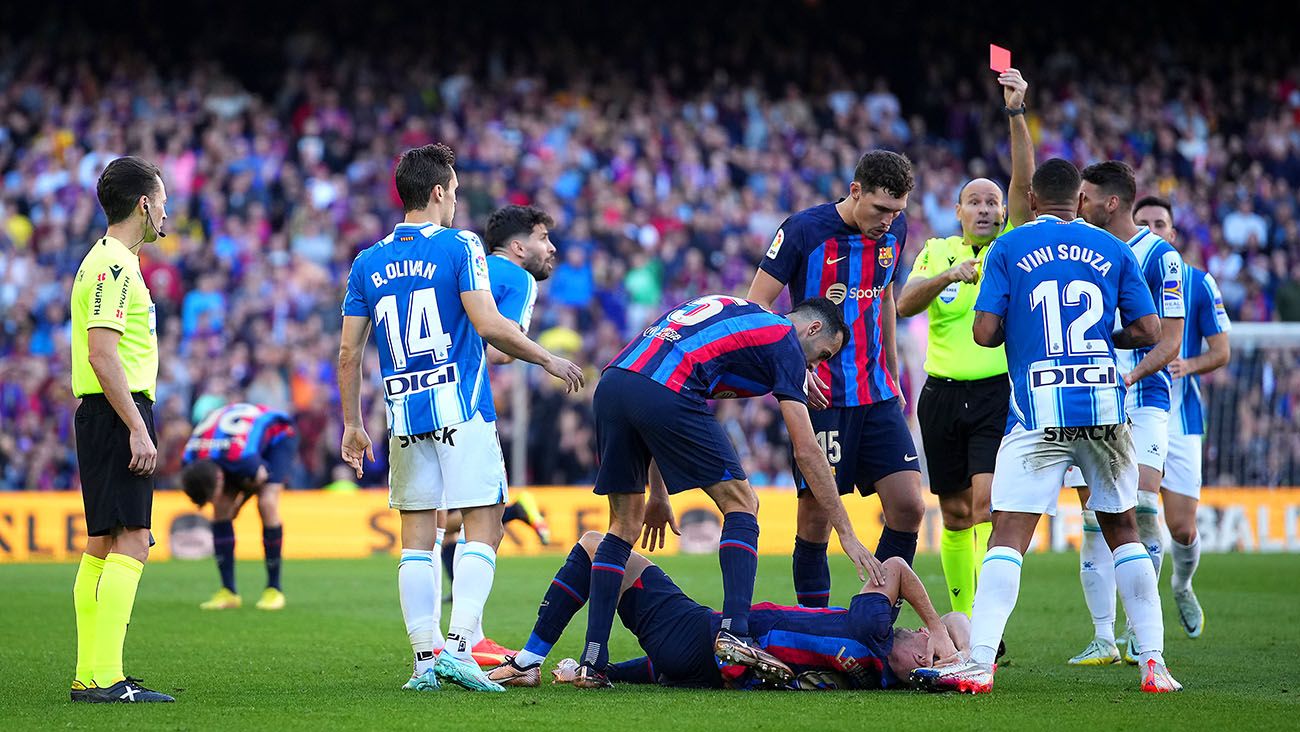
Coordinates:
[666,183]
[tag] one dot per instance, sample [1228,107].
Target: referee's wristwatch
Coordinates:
[1014,112]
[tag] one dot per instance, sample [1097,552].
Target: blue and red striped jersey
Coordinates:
[853,641]
[817,254]
[720,347]
[236,436]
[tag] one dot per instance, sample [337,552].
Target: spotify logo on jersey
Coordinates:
[837,292]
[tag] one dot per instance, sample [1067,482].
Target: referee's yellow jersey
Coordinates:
[109,292]
[951,351]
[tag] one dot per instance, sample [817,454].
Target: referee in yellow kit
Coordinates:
[963,405]
[114,372]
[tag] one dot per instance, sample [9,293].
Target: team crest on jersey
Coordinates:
[885,256]
[776,244]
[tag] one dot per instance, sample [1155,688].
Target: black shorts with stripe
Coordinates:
[962,423]
[113,496]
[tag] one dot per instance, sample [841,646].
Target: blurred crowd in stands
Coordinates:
[668,171]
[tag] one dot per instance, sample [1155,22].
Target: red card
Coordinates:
[999,58]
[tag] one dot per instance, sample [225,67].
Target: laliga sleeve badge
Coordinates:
[775,248]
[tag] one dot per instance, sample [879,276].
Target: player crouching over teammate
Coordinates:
[1050,292]
[653,422]
[237,452]
[810,648]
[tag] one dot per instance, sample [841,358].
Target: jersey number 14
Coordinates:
[423,332]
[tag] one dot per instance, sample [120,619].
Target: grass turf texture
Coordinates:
[336,656]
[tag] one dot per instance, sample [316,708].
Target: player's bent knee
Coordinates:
[590,540]
[1183,533]
[734,496]
[905,515]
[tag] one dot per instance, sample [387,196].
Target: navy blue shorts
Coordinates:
[638,418]
[279,459]
[863,445]
[675,631]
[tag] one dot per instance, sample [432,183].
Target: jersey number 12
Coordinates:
[424,333]
[1076,342]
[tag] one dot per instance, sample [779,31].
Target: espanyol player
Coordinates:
[1051,291]
[1205,349]
[1109,189]
[424,288]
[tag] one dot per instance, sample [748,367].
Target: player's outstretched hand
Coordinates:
[144,454]
[939,646]
[568,372]
[356,446]
[1014,87]
[658,514]
[817,392]
[864,560]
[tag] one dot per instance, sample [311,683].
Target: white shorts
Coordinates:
[1031,467]
[453,467]
[1150,435]
[1183,466]
[1150,440]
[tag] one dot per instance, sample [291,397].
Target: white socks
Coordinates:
[1148,521]
[995,598]
[1136,578]
[1186,557]
[437,589]
[475,570]
[1097,575]
[416,578]
[477,635]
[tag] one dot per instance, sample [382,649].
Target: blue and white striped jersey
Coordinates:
[409,285]
[1206,316]
[1059,287]
[1162,269]
[514,289]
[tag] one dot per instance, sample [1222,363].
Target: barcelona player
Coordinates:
[653,421]
[856,647]
[849,251]
[235,453]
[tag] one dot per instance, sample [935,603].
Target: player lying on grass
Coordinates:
[856,647]
[653,423]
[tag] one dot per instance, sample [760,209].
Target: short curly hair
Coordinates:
[510,221]
[885,170]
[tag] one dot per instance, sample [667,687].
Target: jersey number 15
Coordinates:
[424,333]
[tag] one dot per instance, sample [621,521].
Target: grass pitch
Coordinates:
[334,659]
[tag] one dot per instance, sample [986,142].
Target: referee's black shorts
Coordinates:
[113,495]
[962,423]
